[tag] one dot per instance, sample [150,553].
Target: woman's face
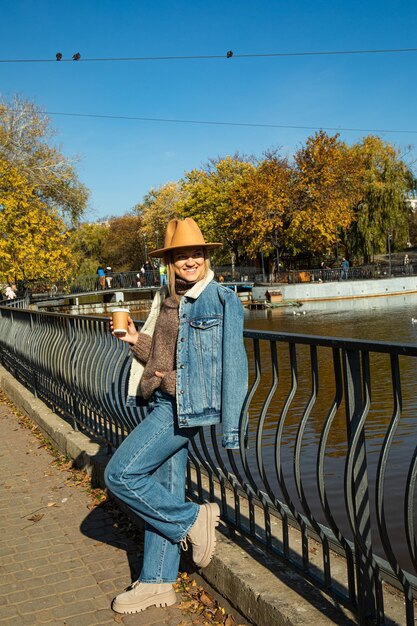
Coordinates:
[189,264]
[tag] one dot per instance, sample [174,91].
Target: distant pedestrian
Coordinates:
[148,274]
[138,280]
[109,276]
[101,277]
[10,293]
[345,269]
[162,274]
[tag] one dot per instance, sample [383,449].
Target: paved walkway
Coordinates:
[61,562]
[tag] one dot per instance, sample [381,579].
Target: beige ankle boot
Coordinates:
[139,596]
[202,535]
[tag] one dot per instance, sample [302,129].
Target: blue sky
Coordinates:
[120,160]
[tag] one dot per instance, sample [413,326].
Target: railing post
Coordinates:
[33,368]
[357,493]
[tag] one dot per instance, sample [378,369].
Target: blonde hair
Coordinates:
[171,275]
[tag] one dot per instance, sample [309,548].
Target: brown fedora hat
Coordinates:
[183,234]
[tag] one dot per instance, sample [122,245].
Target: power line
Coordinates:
[228,55]
[221,123]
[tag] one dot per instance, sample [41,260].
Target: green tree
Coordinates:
[382,209]
[88,244]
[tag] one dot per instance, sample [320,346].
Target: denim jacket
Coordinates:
[212,370]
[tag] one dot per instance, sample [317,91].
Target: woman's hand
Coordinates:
[132,334]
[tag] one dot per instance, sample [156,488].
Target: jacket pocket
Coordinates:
[206,340]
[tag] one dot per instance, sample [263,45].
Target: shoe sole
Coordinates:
[162,599]
[213,517]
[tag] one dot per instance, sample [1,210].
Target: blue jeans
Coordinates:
[148,473]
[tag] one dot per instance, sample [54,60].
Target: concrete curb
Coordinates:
[260,588]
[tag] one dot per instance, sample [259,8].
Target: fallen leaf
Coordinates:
[206,600]
[218,615]
[185,605]
[36,517]
[52,504]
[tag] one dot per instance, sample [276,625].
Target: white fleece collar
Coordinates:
[199,287]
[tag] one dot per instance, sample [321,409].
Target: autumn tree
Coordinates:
[326,189]
[26,143]
[124,249]
[261,203]
[158,207]
[382,209]
[88,244]
[33,241]
[215,196]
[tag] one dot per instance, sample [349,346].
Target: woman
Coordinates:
[192,366]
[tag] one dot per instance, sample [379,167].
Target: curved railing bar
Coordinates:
[265,406]
[261,495]
[278,443]
[195,457]
[357,435]
[272,496]
[249,485]
[320,477]
[409,509]
[379,489]
[297,467]
[243,453]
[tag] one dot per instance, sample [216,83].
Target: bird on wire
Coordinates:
[76,56]
[58,56]
[229,54]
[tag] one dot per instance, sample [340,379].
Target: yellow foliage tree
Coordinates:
[33,239]
[216,197]
[260,203]
[158,207]
[328,177]
[240,203]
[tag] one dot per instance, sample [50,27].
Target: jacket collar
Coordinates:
[199,287]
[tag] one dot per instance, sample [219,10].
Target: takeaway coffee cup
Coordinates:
[119,317]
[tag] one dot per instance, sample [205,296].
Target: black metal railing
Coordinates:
[18,303]
[328,422]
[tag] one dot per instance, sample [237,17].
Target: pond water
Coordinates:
[384,319]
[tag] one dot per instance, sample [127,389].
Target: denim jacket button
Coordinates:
[182,391]
[182,338]
[182,366]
